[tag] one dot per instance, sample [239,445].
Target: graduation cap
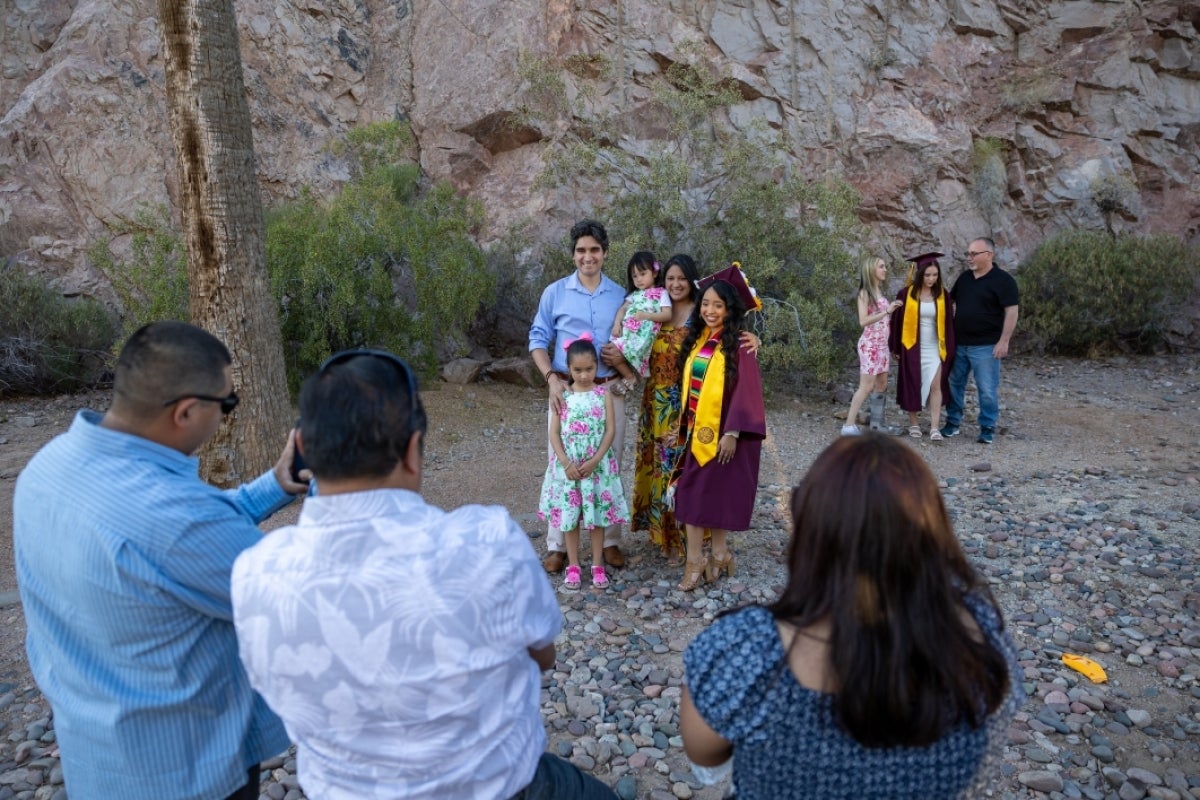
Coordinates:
[919,263]
[734,276]
[925,259]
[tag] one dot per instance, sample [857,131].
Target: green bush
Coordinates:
[1084,292]
[49,343]
[385,263]
[152,284]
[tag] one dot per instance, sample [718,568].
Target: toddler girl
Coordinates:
[582,487]
[874,361]
[638,320]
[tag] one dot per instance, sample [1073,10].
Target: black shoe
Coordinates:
[986,435]
[950,430]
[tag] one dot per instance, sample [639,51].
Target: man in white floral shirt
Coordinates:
[402,645]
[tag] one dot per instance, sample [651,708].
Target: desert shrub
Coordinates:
[1084,292]
[49,343]
[1113,194]
[152,282]
[387,262]
[990,185]
[1025,91]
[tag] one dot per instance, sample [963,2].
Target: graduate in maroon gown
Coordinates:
[723,425]
[922,342]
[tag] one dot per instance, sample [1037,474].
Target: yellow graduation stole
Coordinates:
[912,314]
[706,420]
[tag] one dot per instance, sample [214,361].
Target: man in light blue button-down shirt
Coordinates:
[123,560]
[586,301]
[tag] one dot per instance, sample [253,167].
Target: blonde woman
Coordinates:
[874,361]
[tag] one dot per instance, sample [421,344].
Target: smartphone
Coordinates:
[298,462]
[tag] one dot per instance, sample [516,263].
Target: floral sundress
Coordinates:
[598,500]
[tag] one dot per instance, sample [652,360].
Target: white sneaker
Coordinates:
[850,430]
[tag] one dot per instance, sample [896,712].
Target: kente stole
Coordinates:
[704,372]
[912,316]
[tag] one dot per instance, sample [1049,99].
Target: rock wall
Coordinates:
[952,118]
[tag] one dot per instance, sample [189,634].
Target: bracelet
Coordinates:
[734,434]
[546,376]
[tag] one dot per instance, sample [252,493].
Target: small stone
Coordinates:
[681,790]
[626,788]
[1143,776]
[1138,717]
[1131,790]
[1042,780]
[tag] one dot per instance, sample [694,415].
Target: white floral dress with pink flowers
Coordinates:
[873,357]
[637,335]
[598,500]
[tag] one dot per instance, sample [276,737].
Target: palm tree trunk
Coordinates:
[222,216]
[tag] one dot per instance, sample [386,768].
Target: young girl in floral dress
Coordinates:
[638,320]
[582,487]
[874,361]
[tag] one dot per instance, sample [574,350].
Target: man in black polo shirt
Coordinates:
[985,315]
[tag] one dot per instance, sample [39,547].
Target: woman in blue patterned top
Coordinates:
[882,671]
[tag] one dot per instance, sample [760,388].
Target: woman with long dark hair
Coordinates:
[658,447]
[722,426]
[883,670]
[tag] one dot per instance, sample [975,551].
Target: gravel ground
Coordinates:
[1084,516]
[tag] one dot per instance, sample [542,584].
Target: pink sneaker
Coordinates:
[599,579]
[572,581]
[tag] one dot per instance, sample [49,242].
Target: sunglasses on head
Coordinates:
[228,403]
[398,363]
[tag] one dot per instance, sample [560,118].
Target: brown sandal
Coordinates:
[715,567]
[693,575]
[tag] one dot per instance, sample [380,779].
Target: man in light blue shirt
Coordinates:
[586,301]
[123,561]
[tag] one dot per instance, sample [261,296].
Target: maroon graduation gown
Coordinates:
[908,379]
[722,495]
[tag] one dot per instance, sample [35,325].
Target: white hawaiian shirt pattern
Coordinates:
[391,637]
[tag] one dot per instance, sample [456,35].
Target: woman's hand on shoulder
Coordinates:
[750,342]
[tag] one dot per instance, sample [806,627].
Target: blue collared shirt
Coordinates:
[123,561]
[568,309]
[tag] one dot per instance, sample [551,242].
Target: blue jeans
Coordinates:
[975,358]
[557,779]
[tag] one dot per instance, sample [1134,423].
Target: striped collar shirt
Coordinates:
[123,561]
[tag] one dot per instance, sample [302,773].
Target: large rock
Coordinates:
[892,96]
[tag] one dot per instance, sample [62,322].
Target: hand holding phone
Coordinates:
[298,462]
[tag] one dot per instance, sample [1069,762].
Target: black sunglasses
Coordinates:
[228,402]
[347,355]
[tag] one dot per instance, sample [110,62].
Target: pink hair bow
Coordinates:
[656,267]
[585,336]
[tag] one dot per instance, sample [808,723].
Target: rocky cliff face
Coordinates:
[952,117]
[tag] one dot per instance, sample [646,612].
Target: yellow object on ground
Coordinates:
[1093,671]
